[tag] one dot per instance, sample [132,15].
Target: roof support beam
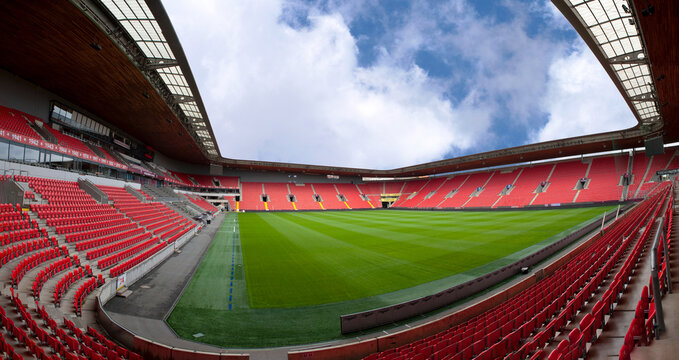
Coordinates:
[157,63]
[181,99]
[635,57]
[649,96]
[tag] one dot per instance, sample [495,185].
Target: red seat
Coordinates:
[586,327]
[624,352]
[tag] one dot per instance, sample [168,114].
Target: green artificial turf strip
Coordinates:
[304,269]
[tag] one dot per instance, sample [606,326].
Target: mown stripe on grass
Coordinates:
[278,326]
[307,258]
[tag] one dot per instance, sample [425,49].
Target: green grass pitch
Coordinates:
[272,279]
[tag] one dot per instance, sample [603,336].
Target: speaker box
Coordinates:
[654,146]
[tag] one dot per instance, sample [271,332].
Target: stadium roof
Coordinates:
[611,30]
[121,60]
[140,23]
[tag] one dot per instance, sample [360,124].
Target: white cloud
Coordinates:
[281,81]
[279,93]
[550,13]
[581,98]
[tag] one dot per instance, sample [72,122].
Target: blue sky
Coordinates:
[384,84]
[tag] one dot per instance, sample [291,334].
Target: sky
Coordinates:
[385,84]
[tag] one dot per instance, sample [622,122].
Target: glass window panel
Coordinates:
[16,152]
[4,150]
[31,155]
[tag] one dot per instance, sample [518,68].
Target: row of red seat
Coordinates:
[12,225]
[594,320]
[157,221]
[573,346]
[93,254]
[67,280]
[24,247]
[500,330]
[164,225]
[141,211]
[115,227]
[6,347]
[151,214]
[50,211]
[89,347]
[642,328]
[52,269]
[17,122]
[13,214]
[86,228]
[145,195]
[88,244]
[71,206]
[84,290]
[21,336]
[21,235]
[104,221]
[109,345]
[119,269]
[181,233]
[202,203]
[34,260]
[101,214]
[115,258]
[182,225]
[10,208]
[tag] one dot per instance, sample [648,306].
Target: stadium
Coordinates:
[127,233]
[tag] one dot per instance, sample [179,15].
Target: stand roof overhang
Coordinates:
[141,83]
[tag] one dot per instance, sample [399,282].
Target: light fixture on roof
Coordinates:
[648,10]
[146,95]
[662,76]
[627,10]
[95,46]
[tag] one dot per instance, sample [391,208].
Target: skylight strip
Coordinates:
[136,18]
[615,32]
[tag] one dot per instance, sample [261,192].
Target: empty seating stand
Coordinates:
[202,203]
[604,179]
[444,190]
[353,196]
[409,190]
[157,218]
[429,187]
[524,189]
[71,142]
[251,196]
[562,183]
[278,196]
[492,189]
[330,196]
[25,247]
[304,196]
[520,327]
[17,122]
[465,191]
